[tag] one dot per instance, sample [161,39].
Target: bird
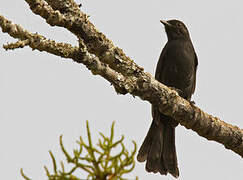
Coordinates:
[176,68]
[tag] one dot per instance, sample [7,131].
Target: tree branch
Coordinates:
[100,56]
[77,22]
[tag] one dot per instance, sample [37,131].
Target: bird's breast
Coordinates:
[179,64]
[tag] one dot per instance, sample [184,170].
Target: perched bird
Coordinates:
[176,68]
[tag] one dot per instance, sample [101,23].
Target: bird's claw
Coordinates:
[192,103]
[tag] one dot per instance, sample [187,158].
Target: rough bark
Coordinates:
[99,55]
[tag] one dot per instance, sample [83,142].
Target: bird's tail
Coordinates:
[159,149]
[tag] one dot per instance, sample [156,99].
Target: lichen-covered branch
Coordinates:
[101,57]
[78,54]
[77,22]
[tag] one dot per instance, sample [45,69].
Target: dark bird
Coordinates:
[176,68]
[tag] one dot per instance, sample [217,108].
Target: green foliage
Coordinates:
[99,163]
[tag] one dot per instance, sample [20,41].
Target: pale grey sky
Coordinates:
[43,96]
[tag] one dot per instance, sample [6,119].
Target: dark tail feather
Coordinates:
[169,151]
[146,146]
[154,163]
[159,150]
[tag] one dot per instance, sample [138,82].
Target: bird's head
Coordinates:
[175,29]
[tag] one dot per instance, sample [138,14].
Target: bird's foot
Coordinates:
[192,103]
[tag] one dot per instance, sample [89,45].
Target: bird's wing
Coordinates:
[195,71]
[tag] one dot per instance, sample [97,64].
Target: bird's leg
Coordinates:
[180,92]
[192,103]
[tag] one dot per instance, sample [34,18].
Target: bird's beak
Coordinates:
[165,23]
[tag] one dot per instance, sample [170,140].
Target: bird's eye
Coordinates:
[179,24]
